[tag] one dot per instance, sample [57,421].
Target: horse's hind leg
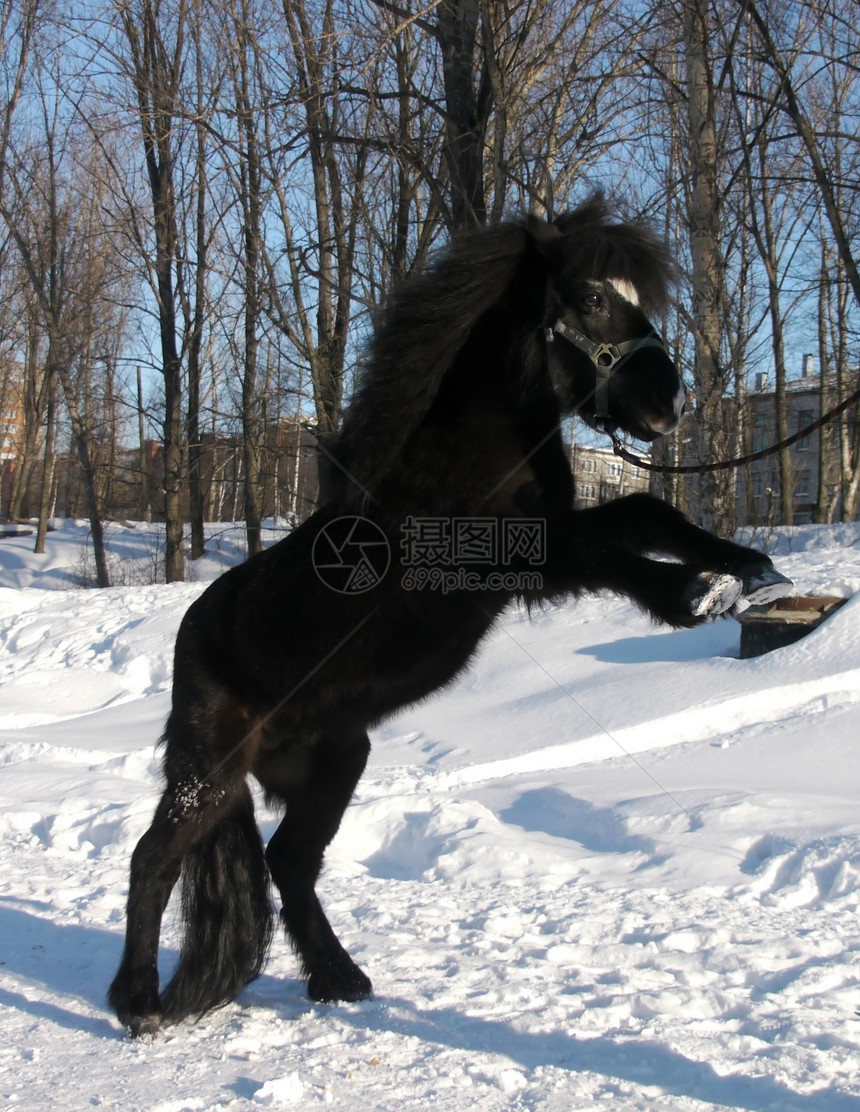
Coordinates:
[186,812]
[155,867]
[294,856]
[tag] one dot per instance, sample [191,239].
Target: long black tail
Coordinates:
[228,916]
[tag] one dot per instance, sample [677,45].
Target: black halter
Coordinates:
[605,358]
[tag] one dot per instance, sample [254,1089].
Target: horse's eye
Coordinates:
[592,301]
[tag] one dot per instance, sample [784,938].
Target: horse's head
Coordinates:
[609,364]
[606,361]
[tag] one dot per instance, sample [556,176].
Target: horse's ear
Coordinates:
[547,241]
[541,231]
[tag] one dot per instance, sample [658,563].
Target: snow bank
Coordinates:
[613,866]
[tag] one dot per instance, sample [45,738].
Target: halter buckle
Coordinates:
[605,356]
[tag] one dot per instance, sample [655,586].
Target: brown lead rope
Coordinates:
[701,468]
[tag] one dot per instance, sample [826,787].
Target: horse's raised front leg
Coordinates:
[294,856]
[588,554]
[647,525]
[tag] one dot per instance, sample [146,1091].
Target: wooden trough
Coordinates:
[783,621]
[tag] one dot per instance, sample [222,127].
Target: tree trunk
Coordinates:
[83,448]
[195,343]
[47,477]
[822,511]
[466,110]
[251,187]
[717,510]
[33,401]
[145,504]
[786,474]
[155,73]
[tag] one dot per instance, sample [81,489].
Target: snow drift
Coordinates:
[612,864]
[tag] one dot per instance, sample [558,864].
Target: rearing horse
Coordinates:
[285,663]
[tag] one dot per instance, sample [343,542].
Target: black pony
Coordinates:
[448,495]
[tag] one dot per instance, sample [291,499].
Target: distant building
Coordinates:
[814,475]
[11,429]
[288,474]
[758,486]
[600,475]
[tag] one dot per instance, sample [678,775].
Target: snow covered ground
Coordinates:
[613,867]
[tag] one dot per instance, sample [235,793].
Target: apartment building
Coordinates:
[758,485]
[601,476]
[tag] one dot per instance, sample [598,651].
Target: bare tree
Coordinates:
[800,161]
[243,54]
[195,313]
[319,243]
[708,267]
[154,40]
[778,58]
[52,214]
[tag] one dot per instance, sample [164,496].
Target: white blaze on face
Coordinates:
[627,290]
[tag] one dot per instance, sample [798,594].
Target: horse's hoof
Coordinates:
[714,594]
[143,1026]
[763,586]
[338,980]
[136,1002]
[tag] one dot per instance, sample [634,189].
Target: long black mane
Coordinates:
[426,322]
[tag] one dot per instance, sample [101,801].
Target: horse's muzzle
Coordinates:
[662,426]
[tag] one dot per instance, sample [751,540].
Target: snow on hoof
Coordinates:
[714,594]
[763,586]
[144,1027]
